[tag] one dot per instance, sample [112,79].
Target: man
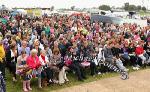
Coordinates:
[108,54]
[2,56]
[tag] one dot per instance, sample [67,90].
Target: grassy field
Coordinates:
[17,87]
[142,13]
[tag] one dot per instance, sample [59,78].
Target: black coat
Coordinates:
[9,58]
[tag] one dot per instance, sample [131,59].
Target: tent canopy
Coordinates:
[106,19]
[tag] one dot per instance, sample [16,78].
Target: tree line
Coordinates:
[126,7]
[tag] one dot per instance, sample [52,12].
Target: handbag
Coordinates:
[85,63]
[68,62]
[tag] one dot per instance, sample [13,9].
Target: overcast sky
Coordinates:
[68,3]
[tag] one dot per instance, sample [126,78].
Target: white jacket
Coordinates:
[42,61]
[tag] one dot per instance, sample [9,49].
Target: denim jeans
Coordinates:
[143,58]
[120,64]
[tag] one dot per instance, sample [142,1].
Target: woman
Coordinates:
[60,65]
[46,71]
[21,69]
[37,46]
[11,58]
[34,63]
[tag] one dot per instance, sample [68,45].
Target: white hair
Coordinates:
[33,51]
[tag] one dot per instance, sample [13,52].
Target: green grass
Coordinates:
[142,13]
[17,87]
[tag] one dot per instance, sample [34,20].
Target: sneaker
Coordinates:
[66,80]
[99,73]
[55,81]
[137,68]
[50,81]
[14,80]
[134,68]
[30,89]
[25,90]
[126,69]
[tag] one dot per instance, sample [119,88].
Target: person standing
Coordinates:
[22,69]
[11,58]
[2,56]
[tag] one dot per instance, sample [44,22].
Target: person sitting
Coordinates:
[59,64]
[139,51]
[46,71]
[133,58]
[108,55]
[76,66]
[34,63]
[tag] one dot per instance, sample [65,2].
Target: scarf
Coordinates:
[43,57]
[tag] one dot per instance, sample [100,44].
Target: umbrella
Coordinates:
[14,13]
[3,20]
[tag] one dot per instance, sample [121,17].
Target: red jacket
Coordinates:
[33,64]
[139,50]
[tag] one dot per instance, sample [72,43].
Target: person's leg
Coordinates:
[146,56]
[55,74]
[143,59]
[139,61]
[49,73]
[39,78]
[77,71]
[109,60]
[25,83]
[13,70]
[82,70]
[28,85]
[126,59]
[92,68]
[2,69]
[120,65]
[61,74]
[25,86]
[65,75]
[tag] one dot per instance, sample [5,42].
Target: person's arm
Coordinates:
[2,54]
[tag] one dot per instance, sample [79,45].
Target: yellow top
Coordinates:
[2,53]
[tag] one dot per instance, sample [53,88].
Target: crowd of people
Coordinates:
[47,48]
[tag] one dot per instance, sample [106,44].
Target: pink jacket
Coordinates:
[33,64]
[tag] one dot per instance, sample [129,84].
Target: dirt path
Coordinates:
[138,82]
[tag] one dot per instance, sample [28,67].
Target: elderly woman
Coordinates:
[34,63]
[21,69]
[46,71]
